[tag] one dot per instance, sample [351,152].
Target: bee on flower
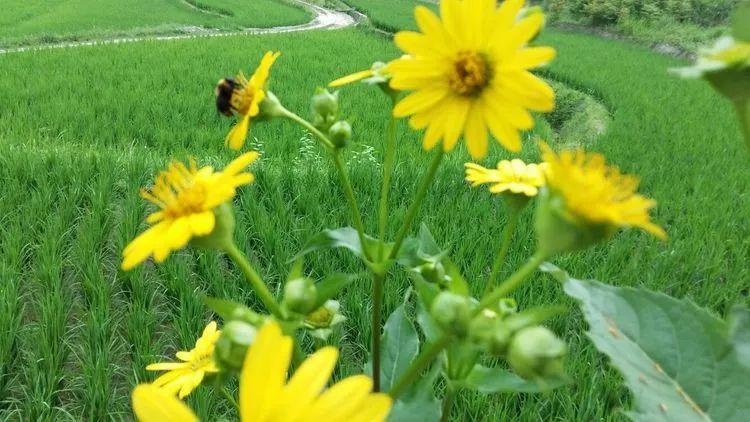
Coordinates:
[266,395]
[469,74]
[192,203]
[243,97]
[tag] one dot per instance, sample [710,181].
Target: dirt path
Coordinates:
[323,19]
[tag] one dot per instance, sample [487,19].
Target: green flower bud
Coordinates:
[271,107]
[223,234]
[325,104]
[536,352]
[433,272]
[231,348]
[452,312]
[488,332]
[559,232]
[340,133]
[300,295]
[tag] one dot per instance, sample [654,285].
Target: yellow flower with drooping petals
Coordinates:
[187,197]
[597,193]
[513,176]
[183,377]
[469,71]
[247,97]
[266,395]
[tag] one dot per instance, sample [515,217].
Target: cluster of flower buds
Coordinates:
[325,109]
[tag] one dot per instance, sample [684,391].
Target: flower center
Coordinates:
[470,74]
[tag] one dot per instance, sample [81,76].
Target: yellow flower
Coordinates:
[183,377]
[470,74]
[513,176]
[266,396]
[247,97]
[597,193]
[187,198]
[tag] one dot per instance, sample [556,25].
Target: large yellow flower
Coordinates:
[265,395]
[513,176]
[470,73]
[597,193]
[246,99]
[187,197]
[183,377]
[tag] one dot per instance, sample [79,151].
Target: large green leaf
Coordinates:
[739,330]
[677,359]
[345,237]
[418,403]
[498,380]
[398,349]
[741,21]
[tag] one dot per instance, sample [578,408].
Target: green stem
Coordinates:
[414,207]
[390,154]
[298,355]
[512,282]
[377,309]
[427,355]
[450,396]
[343,175]
[510,227]
[255,281]
[229,398]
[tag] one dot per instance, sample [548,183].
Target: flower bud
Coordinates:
[340,133]
[223,234]
[325,104]
[452,312]
[487,331]
[536,352]
[300,295]
[231,348]
[271,107]
[558,231]
[432,272]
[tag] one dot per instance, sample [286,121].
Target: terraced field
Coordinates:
[82,129]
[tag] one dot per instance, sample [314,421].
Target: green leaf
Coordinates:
[498,380]
[419,250]
[676,358]
[231,311]
[741,21]
[331,286]
[418,403]
[345,237]
[739,330]
[398,349]
[456,282]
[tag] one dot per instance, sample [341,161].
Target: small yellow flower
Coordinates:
[187,197]
[597,193]
[183,377]
[513,176]
[469,74]
[247,97]
[266,396]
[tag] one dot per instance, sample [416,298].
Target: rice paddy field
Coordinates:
[82,129]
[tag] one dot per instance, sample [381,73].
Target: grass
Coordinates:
[74,150]
[28,23]
[390,15]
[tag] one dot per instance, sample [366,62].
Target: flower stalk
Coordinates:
[255,281]
[377,310]
[510,228]
[448,399]
[427,355]
[512,282]
[390,154]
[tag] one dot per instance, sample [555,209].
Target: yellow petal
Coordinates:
[455,119]
[375,408]
[264,372]
[236,137]
[240,163]
[476,133]
[529,58]
[151,404]
[202,224]
[342,400]
[166,366]
[354,77]
[307,383]
[418,101]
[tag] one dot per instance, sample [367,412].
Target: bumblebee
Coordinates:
[224,92]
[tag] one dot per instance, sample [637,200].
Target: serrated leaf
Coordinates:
[498,380]
[739,331]
[345,237]
[400,345]
[676,358]
[741,21]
